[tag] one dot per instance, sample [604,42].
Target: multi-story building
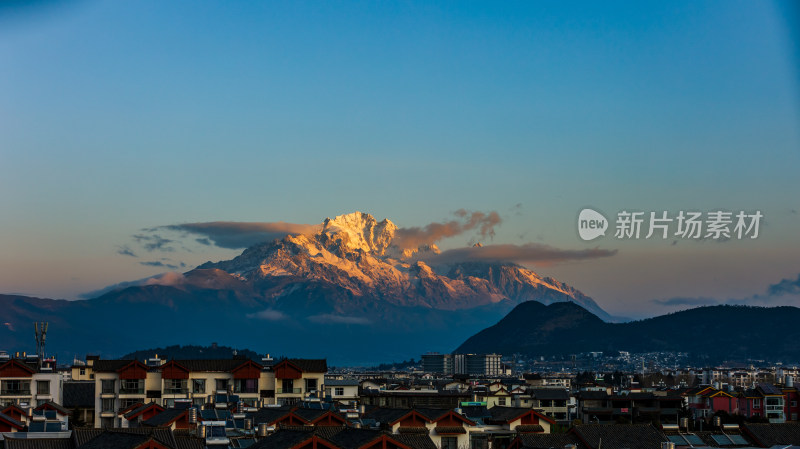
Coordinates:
[599,407]
[477,364]
[342,391]
[436,363]
[24,381]
[553,402]
[122,384]
[83,369]
[297,380]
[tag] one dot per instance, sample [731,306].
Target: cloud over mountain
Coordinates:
[527,254]
[483,223]
[237,235]
[785,292]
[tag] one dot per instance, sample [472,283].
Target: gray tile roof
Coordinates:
[165,418]
[39,443]
[551,394]
[506,414]
[548,440]
[53,405]
[105,366]
[774,434]
[139,409]
[268,415]
[623,436]
[283,439]
[311,365]
[117,440]
[11,420]
[342,437]
[415,441]
[83,436]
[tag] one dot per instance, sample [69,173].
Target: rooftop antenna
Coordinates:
[41,336]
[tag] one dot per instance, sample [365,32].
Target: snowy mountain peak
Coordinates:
[353,254]
[358,231]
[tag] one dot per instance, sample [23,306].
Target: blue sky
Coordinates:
[122,115]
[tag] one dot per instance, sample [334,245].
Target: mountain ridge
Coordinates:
[717,332]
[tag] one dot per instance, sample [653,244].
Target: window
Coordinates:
[198,385]
[107,405]
[199,402]
[545,403]
[478,441]
[339,391]
[83,371]
[129,402]
[794,403]
[245,385]
[131,386]
[42,387]
[107,386]
[794,416]
[449,443]
[222,384]
[501,401]
[311,385]
[175,386]
[756,403]
[16,387]
[287,386]
[107,423]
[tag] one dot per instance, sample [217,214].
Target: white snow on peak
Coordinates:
[359,230]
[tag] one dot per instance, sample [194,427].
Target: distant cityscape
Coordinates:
[443,401]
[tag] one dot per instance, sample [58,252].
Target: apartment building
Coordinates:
[297,380]
[26,382]
[123,384]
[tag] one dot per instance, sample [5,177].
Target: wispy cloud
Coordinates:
[785,292]
[268,315]
[125,250]
[160,264]
[329,318]
[480,222]
[527,254]
[685,301]
[237,235]
[170,278]
[153,242]
[785,287]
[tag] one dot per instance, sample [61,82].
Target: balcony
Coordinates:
[289,391]
[131,390]
[169,390]
[15,392]
[246,390]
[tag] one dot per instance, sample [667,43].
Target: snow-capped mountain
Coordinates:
[357,253]
[348,291]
